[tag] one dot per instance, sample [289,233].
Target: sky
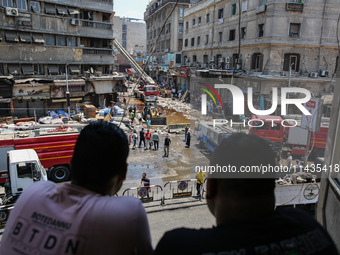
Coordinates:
[130,8]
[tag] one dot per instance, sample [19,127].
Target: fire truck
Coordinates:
[147,92]
[293,137]
[54,149]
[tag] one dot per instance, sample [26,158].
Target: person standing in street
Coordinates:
[77,217]
[134,139]
[148,139]
[155,138]
[289,160]
[200,181]
[148,123]
[167,143]
[186,131]
[188,138]
[141,138]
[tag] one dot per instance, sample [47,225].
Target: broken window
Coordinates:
[25,38]
[50,9]
[257,62]
[232,33]
[71,41]
[35,6]
[294,29]
[291,62]
[261,30]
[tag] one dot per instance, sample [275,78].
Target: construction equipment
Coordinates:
[151,111]
[147,79]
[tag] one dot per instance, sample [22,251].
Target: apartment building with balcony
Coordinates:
[169,47]
[266,42]
[41,41]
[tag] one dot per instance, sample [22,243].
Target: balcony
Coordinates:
[92,51]
[296,5]
[96,24]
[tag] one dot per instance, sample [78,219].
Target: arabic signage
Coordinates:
[28,92]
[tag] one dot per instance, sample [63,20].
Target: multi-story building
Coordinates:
[273,42]
[171,38]
[131,34]
[41,40]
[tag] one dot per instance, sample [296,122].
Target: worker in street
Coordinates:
[289,160]
[167,143]
[185,132]
[141,138]
[146,183]
[155,138]
[132,115]
[148,123]
[134,139]
[148,140]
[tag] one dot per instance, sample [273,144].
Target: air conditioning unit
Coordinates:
[12,11]
[313,75]
[74,22]
[221,60]
[324,73]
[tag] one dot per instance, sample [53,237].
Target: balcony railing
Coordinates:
[96,24]
[91,51]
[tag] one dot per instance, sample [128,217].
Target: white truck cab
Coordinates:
[24,168]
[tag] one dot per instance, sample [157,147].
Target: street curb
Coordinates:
[165,208]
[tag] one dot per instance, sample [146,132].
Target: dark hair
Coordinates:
[99,154]
[239,150]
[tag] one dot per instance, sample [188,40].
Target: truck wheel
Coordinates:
[59,174]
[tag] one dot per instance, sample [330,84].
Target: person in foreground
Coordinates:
[247,222]
[82,217]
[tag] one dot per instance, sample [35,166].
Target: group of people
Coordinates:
[84,217]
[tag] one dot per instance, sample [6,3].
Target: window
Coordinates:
[199,20]
[181,12]
[292,61]
[187,25]
[50,9]
[205,59]
[26,170]
[294,29]
[220,36]
[208,18]
[261,30]
[257,62]
[72,41]
[244,5]
[61,40]
[192,41]
[220,14]
[22,4]
[25,38]
[11,37]
[35,6]
[233,9]
[186,42]
[180,44]
[232,33]
[180,27]
[198,40]
[206,39]
[194,58]
[235,60]
[61,11]
[7,3]
[50,39]
[38,39]
[262,2]
[243,32]
[193,22]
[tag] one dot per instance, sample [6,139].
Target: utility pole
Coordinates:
[67,94]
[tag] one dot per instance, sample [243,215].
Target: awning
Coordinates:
[38,38]
[13,69]
[27,69]
[50,9]
[75,82]
[52,69]
[5,100]
[64,100]
[62,10]
[11,37]
[25,38]
[73,11]
[74,69]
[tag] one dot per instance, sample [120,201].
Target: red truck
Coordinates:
[54,151]
[293,137]
[147,92]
